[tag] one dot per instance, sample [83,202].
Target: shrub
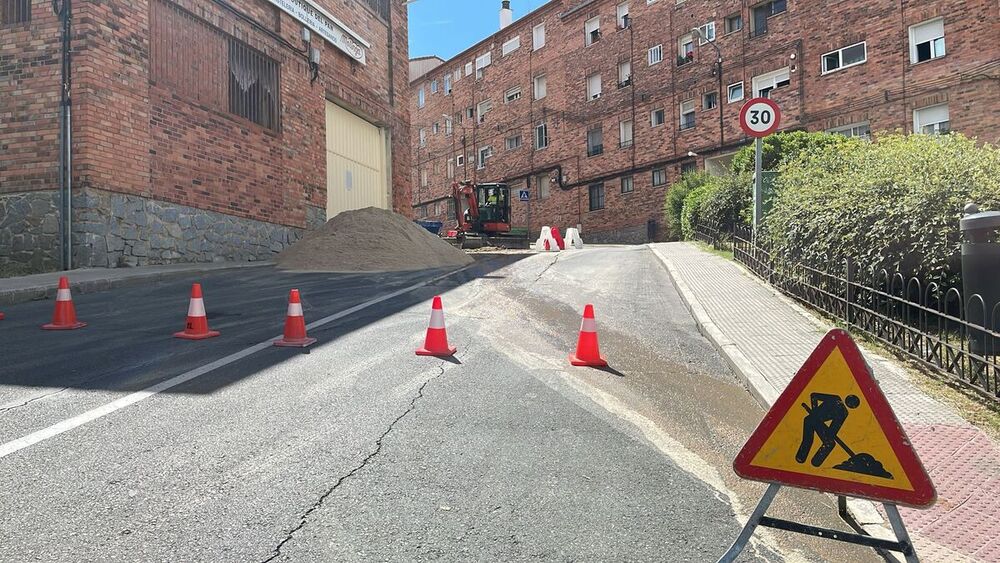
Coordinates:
[892,204]
[731,204]
[781,148]
[673,204]
[694,206]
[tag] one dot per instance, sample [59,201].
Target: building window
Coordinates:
[15,11]
[423,178]
[927,41]
[628,184]
[655,55]
[542,181]
[447,83]
[734,23]
[421,97]
[512,95]
[253,85]
[933,120]
[470,113]
[626,133]
[847,57]
[624,73]
[685,49]
[468,69]
[541,87]
[513,142]
[449,127]
[659,176]
[436,128]
[541,136]
[687,114]
[623,17]
[593,86]
[657,117]
[860,130]
[596,197]
[451,210]
[707,33]
[689,167]
[595,141]
[460,160]
[763,84]
[484,154]
[710,100]
[483,61]
[451,168]
[510,46]
[735,92]
[434,87]
[482,109]
[592,29]
[538,37]
[423,137]
[763,11]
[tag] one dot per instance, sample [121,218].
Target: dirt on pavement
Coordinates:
[370,240]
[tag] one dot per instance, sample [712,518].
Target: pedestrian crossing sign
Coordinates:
[832,430]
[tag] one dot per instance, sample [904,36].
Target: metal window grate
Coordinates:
[199,62]
[15,11]
[380,7]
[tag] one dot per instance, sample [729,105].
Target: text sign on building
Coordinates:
[326,26]
[760,117]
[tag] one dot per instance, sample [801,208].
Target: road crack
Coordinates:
[304,519]
[547,268]
[9,408]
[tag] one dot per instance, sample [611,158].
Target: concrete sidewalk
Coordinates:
[766,338]
[43,286]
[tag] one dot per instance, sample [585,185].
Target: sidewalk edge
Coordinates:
[36,293]
[762,390]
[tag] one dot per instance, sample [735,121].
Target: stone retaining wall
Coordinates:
[29,231]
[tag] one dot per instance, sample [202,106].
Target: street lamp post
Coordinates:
[718,71]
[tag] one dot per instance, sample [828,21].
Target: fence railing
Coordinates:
[712,235]
[926,322]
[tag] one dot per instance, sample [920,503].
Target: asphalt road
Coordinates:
[358,450]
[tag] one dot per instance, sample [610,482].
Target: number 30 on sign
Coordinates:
[760,117]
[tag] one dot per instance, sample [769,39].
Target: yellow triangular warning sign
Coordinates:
[832,430]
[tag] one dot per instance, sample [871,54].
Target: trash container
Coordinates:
[981,276]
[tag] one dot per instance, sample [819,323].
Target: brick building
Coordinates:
[622,96]
[201,130]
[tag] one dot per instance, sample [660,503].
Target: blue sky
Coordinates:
[447,27]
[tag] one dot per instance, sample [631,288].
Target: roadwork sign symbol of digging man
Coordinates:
[823,420]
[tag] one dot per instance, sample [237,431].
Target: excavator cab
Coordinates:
[494,208]
[484,216]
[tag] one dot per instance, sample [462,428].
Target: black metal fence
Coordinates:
[712,235]
[929,323]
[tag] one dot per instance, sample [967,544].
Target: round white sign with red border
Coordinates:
[760,117]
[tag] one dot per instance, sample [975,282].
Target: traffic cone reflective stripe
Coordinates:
[436,343]
[197,321]
[588,352]
[64,317]
[295,324]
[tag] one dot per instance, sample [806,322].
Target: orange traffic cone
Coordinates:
[197,322]
[588,352]
[1,316]
[436,343]
[559,238]
[64,317]
[295,325]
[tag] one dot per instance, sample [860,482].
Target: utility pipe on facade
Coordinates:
[718,70]
[64,10]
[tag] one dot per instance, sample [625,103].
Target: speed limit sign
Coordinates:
[760,117]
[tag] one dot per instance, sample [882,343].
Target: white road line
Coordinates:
[133,398]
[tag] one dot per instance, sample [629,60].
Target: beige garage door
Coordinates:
[356,174]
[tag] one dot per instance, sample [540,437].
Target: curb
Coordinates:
[863,511]
[48,291]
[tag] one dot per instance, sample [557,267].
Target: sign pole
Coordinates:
[758,185]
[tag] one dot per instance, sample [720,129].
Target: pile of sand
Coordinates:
[370,240]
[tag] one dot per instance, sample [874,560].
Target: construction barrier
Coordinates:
[559,238]
[546,241]
[197,321]
[573,238]
[295,325]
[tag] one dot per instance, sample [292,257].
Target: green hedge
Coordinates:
[673,205]
[695,205]
[894,203]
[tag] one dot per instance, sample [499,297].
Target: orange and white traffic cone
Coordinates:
[588,352]
[64,317]
[197,321]
[1,317]
[295,325]
[436,343]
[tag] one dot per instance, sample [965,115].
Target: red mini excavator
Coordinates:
[483,213]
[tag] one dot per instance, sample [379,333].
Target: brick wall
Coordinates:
[168,135]
[883,91]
